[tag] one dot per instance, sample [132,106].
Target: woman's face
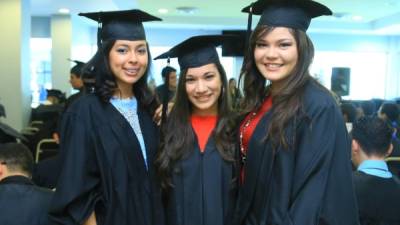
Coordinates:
[128,61]
[276,54]
[203,87]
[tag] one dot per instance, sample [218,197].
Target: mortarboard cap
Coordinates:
[295,14]
[120,25]
[77,69]
[196,51]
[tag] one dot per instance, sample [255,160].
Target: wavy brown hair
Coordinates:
[287,100]
[178,137]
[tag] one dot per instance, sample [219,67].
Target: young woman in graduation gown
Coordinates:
[294,146]
[109,140]
[196,157]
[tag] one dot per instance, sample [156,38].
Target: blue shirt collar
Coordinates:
[377,168]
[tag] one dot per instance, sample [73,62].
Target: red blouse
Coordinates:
[203,126]
[249,125]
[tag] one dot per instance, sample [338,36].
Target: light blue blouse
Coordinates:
[128,108]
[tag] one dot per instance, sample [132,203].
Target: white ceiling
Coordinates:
[375,16]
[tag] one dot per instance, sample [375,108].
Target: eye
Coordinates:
[285,44]
[261,45]
[142,50]
[122,50]
[209,76]
[189,80]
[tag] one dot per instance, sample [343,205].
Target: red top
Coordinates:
[203,126]
[249,125]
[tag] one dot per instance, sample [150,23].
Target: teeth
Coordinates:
[273,65]
[132,70]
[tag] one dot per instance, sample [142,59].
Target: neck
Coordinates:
[13,174]
[124,91]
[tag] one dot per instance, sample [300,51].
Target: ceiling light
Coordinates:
[187,9]
[163,11]
[63,11]
[357,18]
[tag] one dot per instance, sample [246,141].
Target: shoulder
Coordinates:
[86,110]
[43,193]
[316,98]
[85,103]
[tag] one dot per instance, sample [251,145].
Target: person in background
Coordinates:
[168,88]
[368,107]
[377,189]
[294,147]
[196,157]
[108,138]
[234,93]
[390,113]
[76,81]
[21,202]
[349,112]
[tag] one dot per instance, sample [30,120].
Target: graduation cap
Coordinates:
[196,51]
[295,14]
[120,25]
[77,69]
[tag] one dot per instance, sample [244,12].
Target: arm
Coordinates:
[322,190]
[78,188]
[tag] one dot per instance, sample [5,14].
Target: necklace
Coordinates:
[249,121]
[243,151]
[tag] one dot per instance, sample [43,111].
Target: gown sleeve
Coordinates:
[78,188]
[322,191]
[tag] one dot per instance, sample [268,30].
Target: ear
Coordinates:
[2,170]
[390,150]
[355,147]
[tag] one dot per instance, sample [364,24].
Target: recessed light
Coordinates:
[357,18]
[163,11]
[63,11]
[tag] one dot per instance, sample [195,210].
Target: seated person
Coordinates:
[377,189]
[389,112]
[21,202]
[349,112]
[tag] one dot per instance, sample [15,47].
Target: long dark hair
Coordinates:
[106,85]
[287,101]
[178,138]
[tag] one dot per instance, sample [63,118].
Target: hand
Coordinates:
[158,113]
[91,220]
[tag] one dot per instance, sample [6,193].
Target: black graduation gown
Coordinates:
[203,189]
[104,170]
[378,199]
[23,203]
[310,184]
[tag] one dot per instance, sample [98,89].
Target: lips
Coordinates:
[203,98]
[132,72]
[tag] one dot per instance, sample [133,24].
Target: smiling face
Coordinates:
[203,87]
[128,62]
[276,54]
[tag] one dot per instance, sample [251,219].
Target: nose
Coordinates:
[271,52]
[200,86]
[133,57]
